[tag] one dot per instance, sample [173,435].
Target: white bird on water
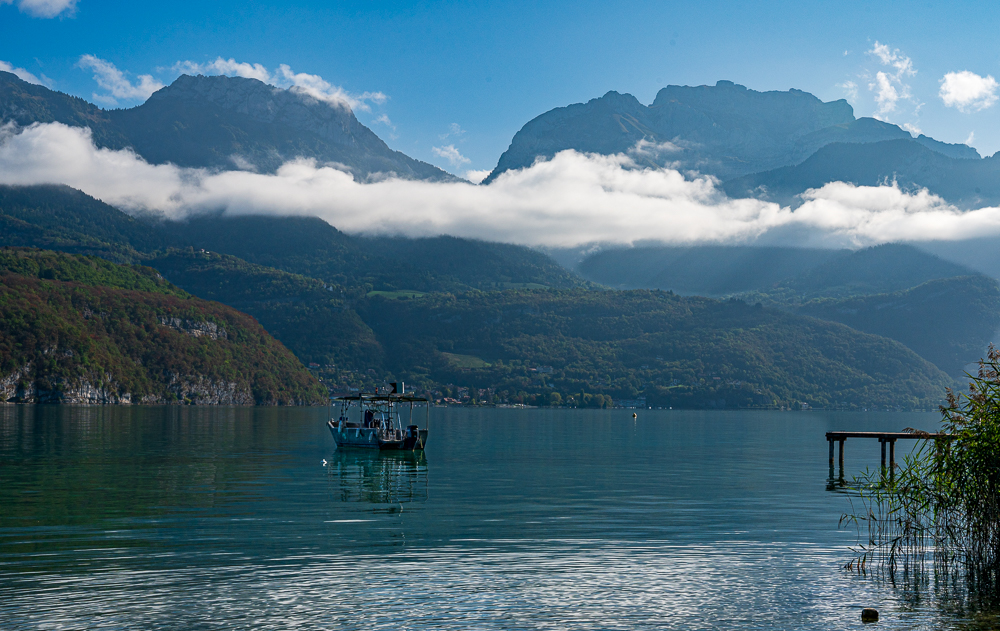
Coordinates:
[324,462]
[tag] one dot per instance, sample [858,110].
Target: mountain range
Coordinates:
[769,145]
[221,123]
[888,326]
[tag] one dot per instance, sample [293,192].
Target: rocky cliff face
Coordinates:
[21,387]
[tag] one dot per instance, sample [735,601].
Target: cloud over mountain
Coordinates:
[301,82]
[114,81]
[21,73]
[572,199]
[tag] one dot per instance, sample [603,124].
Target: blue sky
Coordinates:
[460,78]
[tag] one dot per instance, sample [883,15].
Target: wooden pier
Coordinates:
[883,438]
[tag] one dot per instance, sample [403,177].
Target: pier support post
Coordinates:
[841,452]
[881,441]
[830,440]
[892,454]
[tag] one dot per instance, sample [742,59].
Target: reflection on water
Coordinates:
[378,477]
[187,518]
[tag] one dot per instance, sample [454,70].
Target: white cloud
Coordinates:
[454,131]
[913,129]
[885,94]
[570,200]
[476,176]
[21,73]
[888,57]
[971,139]
[316,87]
[451,154]
[384,119]
[850,91]
[310,85]
[967,91]
[44,8]
[229,67]
[890,87]
[114,81]
[654,150]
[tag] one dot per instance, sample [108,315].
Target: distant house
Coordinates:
[630,403]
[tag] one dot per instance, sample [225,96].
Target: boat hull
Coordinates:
[369,438]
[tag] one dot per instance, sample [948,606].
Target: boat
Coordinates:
[378,424]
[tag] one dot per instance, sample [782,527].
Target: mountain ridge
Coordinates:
[221,122]
[725,130]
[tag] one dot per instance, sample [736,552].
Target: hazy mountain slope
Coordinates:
[700,270]
[947,321]
[725,130]
[222,123]
[692,352]
[58,217]
[878,269]
[310,246]
[966,183]
[91,337]
[25,103]
[803,272]
[942,310]
[62,218]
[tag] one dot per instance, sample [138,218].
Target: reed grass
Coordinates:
[942,506]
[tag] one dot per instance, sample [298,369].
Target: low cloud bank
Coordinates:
[568,201]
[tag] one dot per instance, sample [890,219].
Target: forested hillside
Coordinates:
[692,352]
[83,330]
[945,312]
[925,318]
[502,323]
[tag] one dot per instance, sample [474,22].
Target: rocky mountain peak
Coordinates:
[265,103]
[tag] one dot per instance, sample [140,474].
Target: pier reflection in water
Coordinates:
[378,477]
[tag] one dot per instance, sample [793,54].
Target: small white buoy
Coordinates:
[634,415]
[324,462]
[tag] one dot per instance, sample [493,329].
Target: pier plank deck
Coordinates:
[883,438]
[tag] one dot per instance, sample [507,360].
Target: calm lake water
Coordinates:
[157,518]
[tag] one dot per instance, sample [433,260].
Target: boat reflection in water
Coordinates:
[379,477]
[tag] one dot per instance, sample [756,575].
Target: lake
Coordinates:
[226,518]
